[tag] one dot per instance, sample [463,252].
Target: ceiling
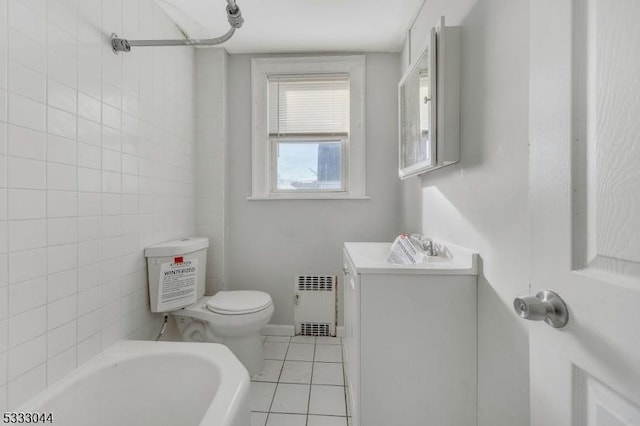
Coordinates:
[277,26]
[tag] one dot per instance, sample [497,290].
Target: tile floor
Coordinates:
[302,383]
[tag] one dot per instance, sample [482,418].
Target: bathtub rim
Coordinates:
[230,397]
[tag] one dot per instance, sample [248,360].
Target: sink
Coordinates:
[437,259]
[452,259]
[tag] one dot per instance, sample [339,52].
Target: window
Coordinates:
[308,131]
[308,128]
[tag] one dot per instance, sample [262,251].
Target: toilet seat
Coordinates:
[238,302]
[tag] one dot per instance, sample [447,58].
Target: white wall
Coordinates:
[212,164]
[96,162]
[270,242]
[482,202]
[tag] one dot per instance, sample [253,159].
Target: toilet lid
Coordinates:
[238,302]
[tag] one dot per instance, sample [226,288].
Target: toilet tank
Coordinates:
[176,273]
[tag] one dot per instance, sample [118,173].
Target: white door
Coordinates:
[585,209]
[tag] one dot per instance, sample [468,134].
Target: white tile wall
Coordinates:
[97,160]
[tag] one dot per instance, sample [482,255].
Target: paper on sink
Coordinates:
[404,252]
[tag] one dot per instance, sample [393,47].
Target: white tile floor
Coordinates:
[302,383]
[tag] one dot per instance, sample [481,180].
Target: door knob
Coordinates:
[546,306]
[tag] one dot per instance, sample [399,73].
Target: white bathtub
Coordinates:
[151,383]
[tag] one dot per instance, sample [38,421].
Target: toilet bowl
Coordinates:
[176,275]
[233,318]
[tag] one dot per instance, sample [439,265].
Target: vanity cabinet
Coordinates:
[410,338]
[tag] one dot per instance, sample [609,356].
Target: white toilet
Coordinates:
[176,285]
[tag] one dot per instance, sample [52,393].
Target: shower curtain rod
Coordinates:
[234,16]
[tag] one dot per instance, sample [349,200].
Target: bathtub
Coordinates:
[151,383]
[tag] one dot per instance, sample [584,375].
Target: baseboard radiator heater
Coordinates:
[315,305]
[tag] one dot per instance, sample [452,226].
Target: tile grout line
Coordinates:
[282,366]
[344,382]
[5,177]
[46,196]
[273,397]
[313,363]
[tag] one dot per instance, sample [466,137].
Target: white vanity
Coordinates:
[410,337]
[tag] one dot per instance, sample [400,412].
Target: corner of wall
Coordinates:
[482,201]
[211,155]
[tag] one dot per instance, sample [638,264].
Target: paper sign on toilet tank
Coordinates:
[178,284]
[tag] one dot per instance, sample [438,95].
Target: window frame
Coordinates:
[264,175]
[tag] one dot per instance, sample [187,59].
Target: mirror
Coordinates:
[428,96]
[417,117]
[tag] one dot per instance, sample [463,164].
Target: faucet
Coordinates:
[425,244]
[430,248]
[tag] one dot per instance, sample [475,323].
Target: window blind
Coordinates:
[308,105]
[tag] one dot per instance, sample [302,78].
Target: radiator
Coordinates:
[315,305]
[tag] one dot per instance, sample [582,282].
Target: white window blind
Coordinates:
[308,105]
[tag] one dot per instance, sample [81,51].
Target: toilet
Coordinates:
[234,318]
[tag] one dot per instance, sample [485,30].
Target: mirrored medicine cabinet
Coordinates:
[429,105]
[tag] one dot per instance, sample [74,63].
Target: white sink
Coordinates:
[452,259]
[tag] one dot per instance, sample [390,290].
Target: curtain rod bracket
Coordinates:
[119,44]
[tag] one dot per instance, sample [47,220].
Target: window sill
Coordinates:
[307,197]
